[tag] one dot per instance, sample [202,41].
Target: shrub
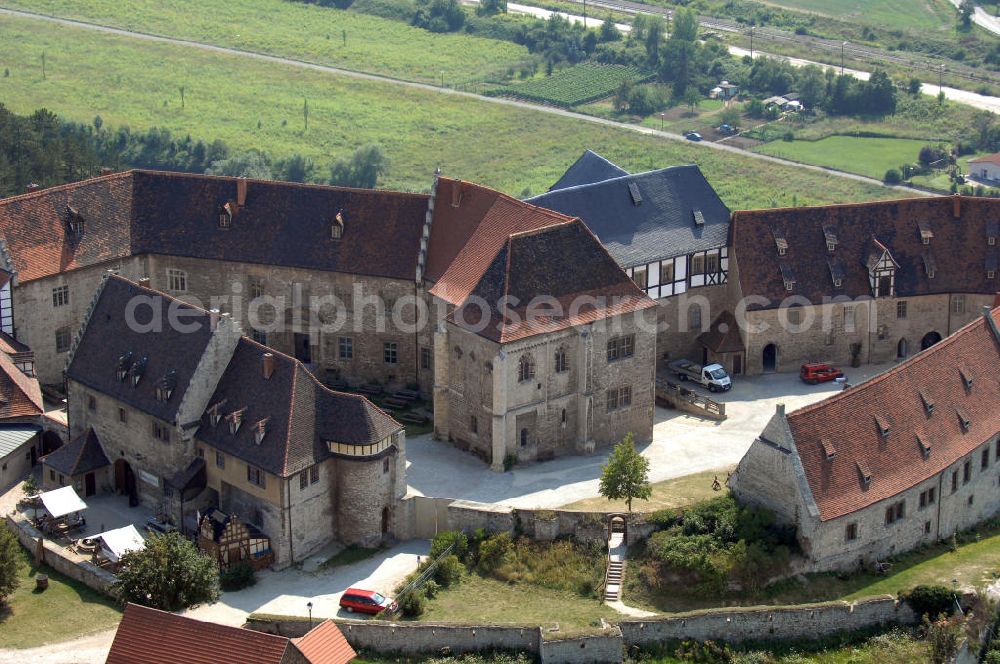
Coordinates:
[446,538]
[30,487]
[9,560]
[414,604]
[893,176]
[237,577]
[449,571]
[494,552]
[930,600]
[664,518]
[169,573]
[431,589]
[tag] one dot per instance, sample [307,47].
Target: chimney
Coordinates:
[241,192]
[144,282]
[107,171]
[780,410]
[34,186]
[268,365]
[956,206]
[456,194]
[213,318]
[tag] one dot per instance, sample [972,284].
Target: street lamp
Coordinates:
[662,115]
[751,42]
[843,45]
[941,80]
[309,605]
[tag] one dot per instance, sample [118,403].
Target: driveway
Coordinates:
[682,445]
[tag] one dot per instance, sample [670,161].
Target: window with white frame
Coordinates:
[177,280]
[60,296]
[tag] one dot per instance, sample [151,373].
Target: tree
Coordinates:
[654,37]
[296,169]
[609,31]
[9,556]
[913,87]
[626,475]
[965,11]
[252,164]
[361,170]
[892,176]
[169,573]
[731,116]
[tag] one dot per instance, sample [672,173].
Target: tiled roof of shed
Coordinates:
[325,644]
[79,456]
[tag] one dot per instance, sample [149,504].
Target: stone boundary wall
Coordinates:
[54,556]
[769,623]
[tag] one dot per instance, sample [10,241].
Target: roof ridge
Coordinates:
[922,356]
[282,183]
[510,199]
[517,235]
[291,416]
[576,187]
[170,298]
[120,175]
[890,201]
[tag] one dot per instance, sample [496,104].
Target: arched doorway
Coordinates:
[929,340]
[902,349]
[50,442]
[385,520]
[124,478]
[617,524]
[770,358]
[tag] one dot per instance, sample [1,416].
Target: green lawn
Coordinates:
[971,565]
[913,14]
[302,31]
[677,492]
[865,156]
[66,610]
[477,600]
[253,104]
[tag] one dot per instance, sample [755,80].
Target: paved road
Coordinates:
[982,18]
[433,88]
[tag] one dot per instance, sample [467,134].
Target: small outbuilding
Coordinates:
[230,541]
[82,464]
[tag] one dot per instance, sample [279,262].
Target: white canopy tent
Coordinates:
[116,543]
[61,502]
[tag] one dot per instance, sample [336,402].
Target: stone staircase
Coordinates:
[616,563]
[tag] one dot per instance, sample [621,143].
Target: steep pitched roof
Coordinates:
[149,212]
[883,426]
[150,636]
[325,644]
[588,169]
[959,247]
[563,263]
[471,224]
[156,349]
[723,336]
[20,395]
[647,217]
[81,455]
[299,415]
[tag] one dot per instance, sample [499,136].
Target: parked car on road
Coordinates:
[712,376]
[365,601]
[727,129]
[819,372]
[692,136]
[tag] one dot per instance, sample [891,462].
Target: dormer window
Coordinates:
[864,473]
[925,446]
[634,193]
[74,221]
[226,217]
[930,265]
[928,402]
[138,369]
[337,226]
[165,388]
[124,364]
[991,266]
[830,236]
[235,419]
[788,276]
[829,451]
[699,218]
[881,269]
[836,272]
[883,427]
[259,431]
[215,413]
[966,377]
[780,242]
[964,419]
[992,231]
[926,234]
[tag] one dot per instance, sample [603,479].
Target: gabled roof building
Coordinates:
[905,459]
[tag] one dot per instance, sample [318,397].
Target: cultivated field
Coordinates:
[865,156]
[575,85]
[324,35]
[913,14]
[254,104]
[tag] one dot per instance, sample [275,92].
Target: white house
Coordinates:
[985,168]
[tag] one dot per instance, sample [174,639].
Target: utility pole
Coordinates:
[751,42]
[941,80]
[843,45]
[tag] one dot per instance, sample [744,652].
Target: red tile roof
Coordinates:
[148,212]
[325,644]
[466,238]
[20,395]
[150,636]
[988,159]
[959,247]
[897,399]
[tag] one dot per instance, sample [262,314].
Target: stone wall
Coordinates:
[806,622]
[583,649]
[56,557]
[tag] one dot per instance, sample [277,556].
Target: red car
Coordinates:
[365,601]
[818,372]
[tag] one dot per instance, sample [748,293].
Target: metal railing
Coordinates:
[671,389]
[418,582]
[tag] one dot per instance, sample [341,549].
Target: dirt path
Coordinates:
[433,88]
[91,649]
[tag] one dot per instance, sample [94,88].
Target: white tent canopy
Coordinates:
[117,542]
[61,502]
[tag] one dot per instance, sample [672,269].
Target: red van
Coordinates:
[818,372]
[365,601]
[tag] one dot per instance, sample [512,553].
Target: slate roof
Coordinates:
[13,436]
[588,169]
[660,225]
[466,237]
[169,353]
[299,413]
[20,395]
[960,250]
[723,336]
[325,644]
[151,636]
[897,399]
[564,262]
[150,212]
[81,455]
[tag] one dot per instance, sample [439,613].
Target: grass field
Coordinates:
[64,611]
[323,35]
[579,84]
[678,492]
[913,14]
[864,156]
[254,104]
